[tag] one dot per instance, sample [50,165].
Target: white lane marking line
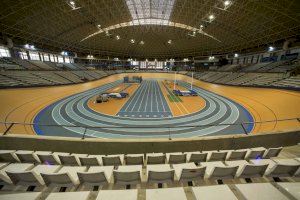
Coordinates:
[151,95]
[138,96]
[135,95]
[160,97]
[141,101]
[147,96]
[155,90]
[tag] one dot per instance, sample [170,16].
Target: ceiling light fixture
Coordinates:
[117,37]
[236,55]
[226,3]
[169,41]
[142,42]
[132,41]
[211,58]
[72,4]
[90,56]
[64,53]
[271,48]
[211,17]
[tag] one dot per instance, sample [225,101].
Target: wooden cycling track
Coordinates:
[264,104]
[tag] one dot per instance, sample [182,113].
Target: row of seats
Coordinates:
[253,191]
[41,78]
[248,79]
[293,81]
[27,174]
[61,158]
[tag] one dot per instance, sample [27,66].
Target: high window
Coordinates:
[4,52]
[34,55]
[150,11]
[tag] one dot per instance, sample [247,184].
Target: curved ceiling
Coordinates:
[159,28]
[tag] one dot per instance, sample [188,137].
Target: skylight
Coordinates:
[150,11]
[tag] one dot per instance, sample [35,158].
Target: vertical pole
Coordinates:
[170,133]
[245,131]
[174,82]
[83,136]
[192,80]
[10,126]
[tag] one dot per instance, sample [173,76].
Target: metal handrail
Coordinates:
[11,124]
[139,126]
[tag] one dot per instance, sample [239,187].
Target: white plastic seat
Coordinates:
[255,153]
[31,177]
[236,154]
[284,168]
[166,193]
[118,194]
[214,192]
[223,172]
[47,157]
[27,156]
[128,175]
[134,159]
[210,166]
[90,160]
[272,152]
[255,191]
[82,195]
[160,173]
[66,176]
[188,172]
[175,158]
[8,156]
[113,160]
[14,167]
[280,170]
[268,162]
[247,170]
[71,160]
[96,175]
[239,163]
[156,158]
[217,155]
[21,195]
[196,157]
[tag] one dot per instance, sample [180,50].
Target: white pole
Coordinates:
[192,80]
[175,81]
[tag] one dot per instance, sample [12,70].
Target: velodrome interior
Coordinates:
[264,104]
[149,100]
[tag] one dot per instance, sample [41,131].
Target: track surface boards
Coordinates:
[147,102]
[73,110]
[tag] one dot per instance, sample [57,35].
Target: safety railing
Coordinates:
[140,131]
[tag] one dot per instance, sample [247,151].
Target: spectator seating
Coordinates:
[41,65]
[39,171]
[8,64]
[293,81]
[249,79]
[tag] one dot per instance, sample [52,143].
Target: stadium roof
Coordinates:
[150,28]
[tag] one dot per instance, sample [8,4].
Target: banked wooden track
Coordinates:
[22,105]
